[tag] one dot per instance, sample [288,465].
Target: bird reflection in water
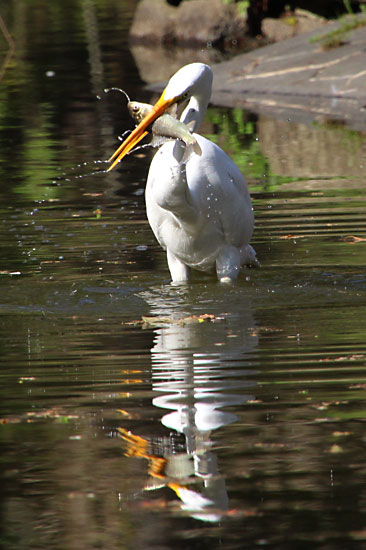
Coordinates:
[195,379]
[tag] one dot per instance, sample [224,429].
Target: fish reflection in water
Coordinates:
[196,381]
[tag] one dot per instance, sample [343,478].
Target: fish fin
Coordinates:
[197,149]
[172,111]
[189,150]
[191,126]
[187,154]
[157,140]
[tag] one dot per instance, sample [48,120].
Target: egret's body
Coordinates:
[200,211]
[198,207]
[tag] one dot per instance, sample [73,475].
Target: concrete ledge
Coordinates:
[299,76]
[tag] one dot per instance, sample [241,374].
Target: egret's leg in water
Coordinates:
[228,264]
[179,271]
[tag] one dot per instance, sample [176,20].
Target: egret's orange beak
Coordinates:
[140,131]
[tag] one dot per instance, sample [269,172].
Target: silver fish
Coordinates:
[166,127]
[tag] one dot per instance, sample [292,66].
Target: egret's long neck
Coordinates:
[195,111]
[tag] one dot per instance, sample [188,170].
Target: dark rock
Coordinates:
[193,22]
[157,63]
[153,21]
[300,76]
[291,24]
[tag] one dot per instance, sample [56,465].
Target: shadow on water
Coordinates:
[233,417]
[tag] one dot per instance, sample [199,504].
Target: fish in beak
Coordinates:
[140,131]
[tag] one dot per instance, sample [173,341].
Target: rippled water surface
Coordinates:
[235,419]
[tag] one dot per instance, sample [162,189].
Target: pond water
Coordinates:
[240,427]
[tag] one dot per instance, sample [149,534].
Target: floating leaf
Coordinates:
[335,449]
[158,321]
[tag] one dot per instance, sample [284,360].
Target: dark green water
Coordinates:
[244,432]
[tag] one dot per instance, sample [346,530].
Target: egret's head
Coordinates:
[192,82]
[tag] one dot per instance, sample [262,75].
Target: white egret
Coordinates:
[198,208]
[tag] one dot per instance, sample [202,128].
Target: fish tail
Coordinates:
[191,147]
[196,148]
[193,144]
[187,154]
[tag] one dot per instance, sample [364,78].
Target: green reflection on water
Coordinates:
[273,154]
[237,132]
[240,137]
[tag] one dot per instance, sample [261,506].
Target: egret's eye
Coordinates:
[184,96]
[135,108]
